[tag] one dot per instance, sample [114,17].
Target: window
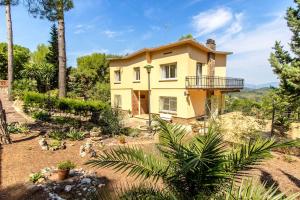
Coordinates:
[168,104]
[117,101]
[169,71]
[137,74]
[118,76]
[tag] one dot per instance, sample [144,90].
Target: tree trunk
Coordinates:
[10,54]
[62,57]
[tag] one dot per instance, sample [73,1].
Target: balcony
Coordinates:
[214,82]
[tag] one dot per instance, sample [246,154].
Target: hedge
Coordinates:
[65,105]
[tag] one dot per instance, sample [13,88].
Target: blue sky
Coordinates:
[248,28]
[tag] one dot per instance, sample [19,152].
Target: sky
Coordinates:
[249,28]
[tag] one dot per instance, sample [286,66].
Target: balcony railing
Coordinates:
[213,82]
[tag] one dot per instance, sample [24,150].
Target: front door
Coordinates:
[198,73]
[144,102]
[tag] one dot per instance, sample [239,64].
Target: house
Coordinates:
[188,80]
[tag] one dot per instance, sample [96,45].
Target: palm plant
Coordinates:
[189,168]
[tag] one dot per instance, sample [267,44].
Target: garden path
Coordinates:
[12,114]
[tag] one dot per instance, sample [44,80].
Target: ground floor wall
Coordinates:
[189,103]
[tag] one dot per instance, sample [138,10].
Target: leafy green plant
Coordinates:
[57,135]
[254,190]
[189,167]
[41,115]
[15,128]
[35,177]
[110,122]
[56,144]
[66,165]
[73,134]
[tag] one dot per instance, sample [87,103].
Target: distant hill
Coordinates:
[264,85]
[250,93]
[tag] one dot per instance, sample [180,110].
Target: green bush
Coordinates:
[15,128]
[41,115]
[66,165]
[57,135]
[65,105]
[75,135]
[246,106]
[23,85]
[109,122]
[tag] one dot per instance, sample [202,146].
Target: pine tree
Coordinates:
[285,65]
[52,56]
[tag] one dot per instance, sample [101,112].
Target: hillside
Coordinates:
[249,93]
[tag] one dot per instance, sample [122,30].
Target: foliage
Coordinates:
[100,91]
[249,189]
[58,135]
[21,58]
[41,115]
[52,55]
[201,165]
[66,105]
[285,65]
[73,135]
[187,36]
[15,128]
[35,177]
[246,106]
[109,121]
[66,120]
[53,10]
[23,85]
[55,144]
[39,69]
[66,165]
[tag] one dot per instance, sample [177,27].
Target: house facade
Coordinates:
[188,80]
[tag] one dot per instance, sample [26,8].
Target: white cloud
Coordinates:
[252,49]
[80,28]
[211,20]
[110,34]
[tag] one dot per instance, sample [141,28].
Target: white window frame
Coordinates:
[166,71]
[137,74]
[167,101]
[117,101]
[117,76]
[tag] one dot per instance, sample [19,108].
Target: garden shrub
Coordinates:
[22,86]
[109,122]
[57,135]
[35,177]
[65,105]
[41,115]
[75,135]
[15,128]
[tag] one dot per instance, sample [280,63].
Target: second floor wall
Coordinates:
[171,67]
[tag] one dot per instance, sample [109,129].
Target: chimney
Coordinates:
[210,43]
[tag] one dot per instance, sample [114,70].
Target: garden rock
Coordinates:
[43,144]
[86,149]
[80,185]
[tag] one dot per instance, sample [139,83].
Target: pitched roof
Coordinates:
[191,42]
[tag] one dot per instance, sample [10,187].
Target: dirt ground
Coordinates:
[24,157]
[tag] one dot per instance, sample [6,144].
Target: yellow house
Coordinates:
[188,80]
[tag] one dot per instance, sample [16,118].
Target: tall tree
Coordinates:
[52,56]
[285,65]
[54,10]
[10,53]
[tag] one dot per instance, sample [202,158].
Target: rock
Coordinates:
[40,180]
[43,144]
[86,181]
[93,154]
[68,188]
[86,149]
[101,185]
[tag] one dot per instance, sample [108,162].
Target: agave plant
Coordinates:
[188,168]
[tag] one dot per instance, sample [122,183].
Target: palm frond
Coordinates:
[133,161]
[254,152]
[254,190]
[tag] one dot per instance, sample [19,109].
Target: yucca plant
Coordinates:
[189,168]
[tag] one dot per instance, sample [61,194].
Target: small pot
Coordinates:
[63,174]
